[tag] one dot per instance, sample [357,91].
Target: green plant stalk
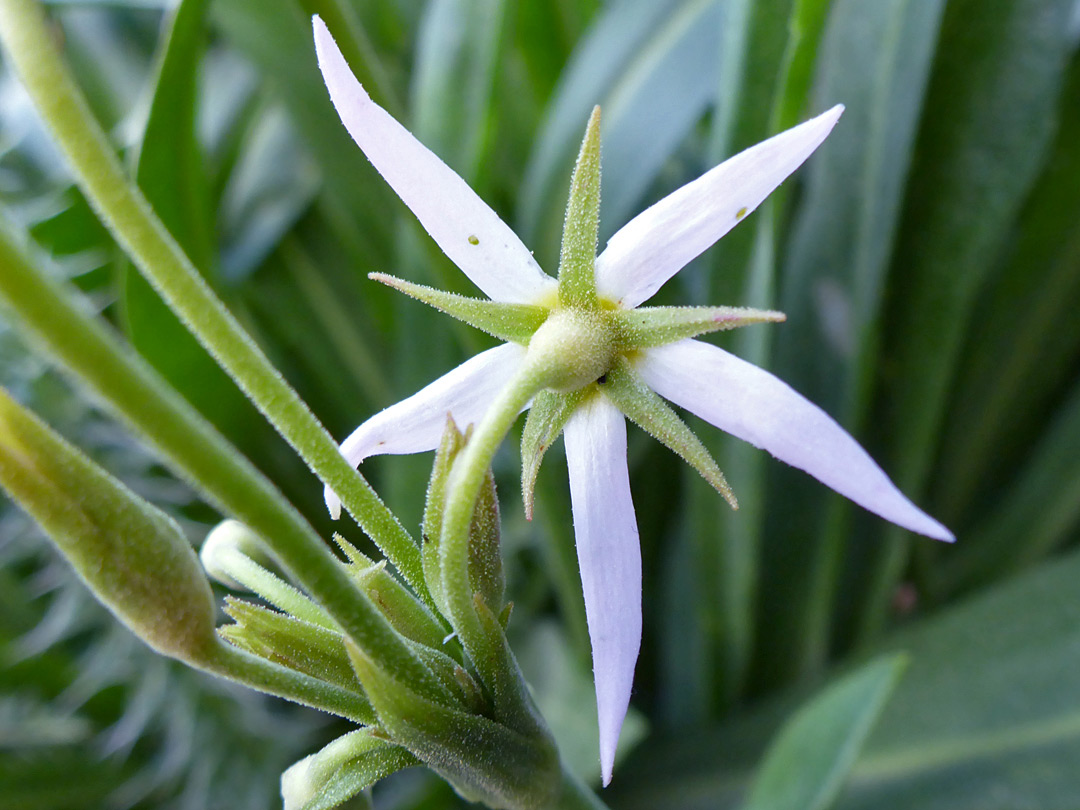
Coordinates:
[198,453]
[129,217]
[469,472]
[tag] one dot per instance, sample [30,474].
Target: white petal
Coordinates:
[610,560]
[663,239]
[750,403]
[462,224]
[416,424]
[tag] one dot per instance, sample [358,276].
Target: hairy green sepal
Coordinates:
[577,276]
[515,323]
[548,416]
[644,407]
[647,327]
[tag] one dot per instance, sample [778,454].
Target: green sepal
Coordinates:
[577,262]
[291,642]
[483,760]
[645,327]
[645,408]
[342,769]
[132,556]
[547,418]
[512,322]
[485,553]
[408,615]
[232,554]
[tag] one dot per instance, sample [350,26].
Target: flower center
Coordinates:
[573,348]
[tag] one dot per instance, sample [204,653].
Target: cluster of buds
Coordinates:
[476,725]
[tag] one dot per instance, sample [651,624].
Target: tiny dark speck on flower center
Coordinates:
[474,240]
[601,379]
[741,213]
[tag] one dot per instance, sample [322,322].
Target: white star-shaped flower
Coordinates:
[611,357]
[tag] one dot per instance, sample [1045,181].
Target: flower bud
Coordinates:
[132,556]
[341,770]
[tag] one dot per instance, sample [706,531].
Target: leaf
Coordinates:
[876,60]
[998,78]
[987,716]
[651,66]
[169,170]
[276,36]
[810,759]
[455,67]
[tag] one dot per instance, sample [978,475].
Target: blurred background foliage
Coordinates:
[928,258]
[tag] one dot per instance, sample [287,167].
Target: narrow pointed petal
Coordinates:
[750,403]
[610,560]
[463,225]
[661,240]
[416,424]
[515,322]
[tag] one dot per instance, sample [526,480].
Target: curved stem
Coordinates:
[131,220]
[470,469]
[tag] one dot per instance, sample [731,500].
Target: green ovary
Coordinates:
[573,348]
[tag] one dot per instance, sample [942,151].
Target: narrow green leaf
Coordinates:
[811,758]
[989,707]
[170,170]
[454,74]
[876,60]
[651,66]
[1000,75]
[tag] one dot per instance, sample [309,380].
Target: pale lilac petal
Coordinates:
[663,239]
[416,424]
[609,558]
[748,402]
[462,224]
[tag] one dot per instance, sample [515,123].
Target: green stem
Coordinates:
[129,217]
[470,470]
[198,453]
